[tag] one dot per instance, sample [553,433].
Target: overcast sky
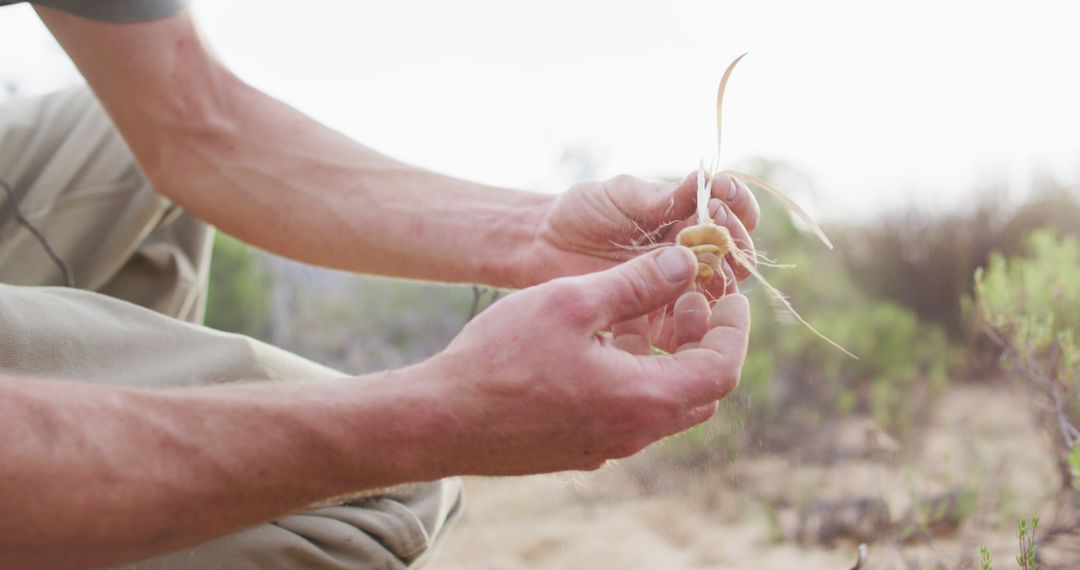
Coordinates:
[881,105]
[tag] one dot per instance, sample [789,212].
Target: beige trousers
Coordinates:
[140,266]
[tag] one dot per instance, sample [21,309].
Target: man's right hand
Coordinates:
[528,387]
[531,386]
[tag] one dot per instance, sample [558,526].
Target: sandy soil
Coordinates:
[746,515]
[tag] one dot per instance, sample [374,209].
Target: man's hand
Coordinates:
[595,225]
[530,386]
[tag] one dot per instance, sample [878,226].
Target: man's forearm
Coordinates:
[270,175]
[96,475]
[280,180]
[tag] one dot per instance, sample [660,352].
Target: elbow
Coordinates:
[189,121]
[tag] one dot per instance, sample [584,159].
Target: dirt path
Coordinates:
[980,437]
[552,522]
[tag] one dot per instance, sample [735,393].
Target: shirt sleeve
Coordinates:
[117,10]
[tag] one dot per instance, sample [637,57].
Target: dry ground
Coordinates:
[746,515]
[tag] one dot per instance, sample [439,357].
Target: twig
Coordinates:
[1035,375]
[69,279]
[478,294]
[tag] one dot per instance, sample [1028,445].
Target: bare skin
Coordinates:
[528,387]
[119,474]
[265,173]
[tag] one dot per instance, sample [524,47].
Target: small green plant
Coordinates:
[1028,547]
[984,553]
[1027,559]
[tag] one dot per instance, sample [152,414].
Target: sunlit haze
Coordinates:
[880,105]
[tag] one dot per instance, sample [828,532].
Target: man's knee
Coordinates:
[396,530]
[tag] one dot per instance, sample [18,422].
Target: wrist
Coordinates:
[515,261]
[530,261]
[395,427]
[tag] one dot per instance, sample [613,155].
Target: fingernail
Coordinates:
[733,190]
[674,264]
[719,211]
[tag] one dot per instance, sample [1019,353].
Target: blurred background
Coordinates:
[939,144]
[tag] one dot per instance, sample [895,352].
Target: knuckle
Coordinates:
[621,180]
[634,289]
[568,302]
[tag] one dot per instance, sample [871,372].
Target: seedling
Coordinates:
[711,242]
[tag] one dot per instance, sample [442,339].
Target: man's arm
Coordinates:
[95,475]
[267,174]
[271,176]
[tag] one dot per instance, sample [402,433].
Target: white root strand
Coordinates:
[747,264]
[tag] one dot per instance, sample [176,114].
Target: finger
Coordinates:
[632,336]
[739,198]
[724,283]
[624,292]
[731,284]
[729,334]
[731,312]
[691,319]
[710,371]
[679,202]
[723,216]
[690,419]
[661,324]
[653,203]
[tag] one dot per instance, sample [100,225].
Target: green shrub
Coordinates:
[924,260]
[1030,305]
[239,296]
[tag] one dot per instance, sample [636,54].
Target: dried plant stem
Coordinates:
[788,203]
[704,190]
[711,243]
[720,109]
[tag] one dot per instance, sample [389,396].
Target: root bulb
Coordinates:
[710,243]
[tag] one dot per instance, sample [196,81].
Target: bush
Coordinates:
[924,260]
[1030,306]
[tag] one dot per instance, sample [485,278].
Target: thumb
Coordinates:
[638,286]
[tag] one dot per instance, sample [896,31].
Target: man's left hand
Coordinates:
[595,225]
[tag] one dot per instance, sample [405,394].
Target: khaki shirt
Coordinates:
[113,10]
